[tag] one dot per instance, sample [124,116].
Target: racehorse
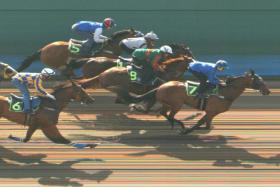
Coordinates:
[172,95]
[56,55]
[46,117]
[92,67]
[118,79]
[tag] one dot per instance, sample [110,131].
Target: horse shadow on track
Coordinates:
[16,166]
[214,149]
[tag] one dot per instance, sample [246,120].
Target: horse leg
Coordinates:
[197,125]
[174,110]
[209,120]
[52,132]
[29,133]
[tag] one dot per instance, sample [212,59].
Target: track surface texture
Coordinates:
[242,149]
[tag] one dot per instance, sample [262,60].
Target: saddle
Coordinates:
[192,89]
[16,103]
[137,73]
[123,62]
[77,47]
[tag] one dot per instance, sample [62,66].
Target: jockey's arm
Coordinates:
[213,79]
[38,86]
[98,38]
[156,62]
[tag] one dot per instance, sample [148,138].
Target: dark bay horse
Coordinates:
[118,80]
[56,55]
[92,67]
[46,117]
[172,95]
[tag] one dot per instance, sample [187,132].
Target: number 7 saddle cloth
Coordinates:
[192,88]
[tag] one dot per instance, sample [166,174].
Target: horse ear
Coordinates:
[252,72]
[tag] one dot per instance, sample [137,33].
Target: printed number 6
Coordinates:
[16,106]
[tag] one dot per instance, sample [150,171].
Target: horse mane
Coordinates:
[120,33]
[60,86]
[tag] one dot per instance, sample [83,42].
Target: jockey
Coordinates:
[207,72]
[92,31]
[150,60]
[22,80]
[146,41]
[6,71]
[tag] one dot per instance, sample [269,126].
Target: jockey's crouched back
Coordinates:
[23,80]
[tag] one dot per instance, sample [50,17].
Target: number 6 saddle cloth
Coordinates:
[16,103]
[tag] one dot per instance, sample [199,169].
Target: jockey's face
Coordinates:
[220,68]
[45,77]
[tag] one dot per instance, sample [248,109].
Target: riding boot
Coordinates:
[202,88]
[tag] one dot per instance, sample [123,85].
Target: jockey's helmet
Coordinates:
[166,49]
[109,23]
[151,35]
[221,65]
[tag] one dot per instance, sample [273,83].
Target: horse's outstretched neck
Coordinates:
[28,61]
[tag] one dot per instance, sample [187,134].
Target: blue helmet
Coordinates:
[221,65]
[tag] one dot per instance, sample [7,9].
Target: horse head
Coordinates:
[175,68]
[6,71]
[79,94]
[181,50]
[126,33]
[256,82]
[74,91]
[250,80]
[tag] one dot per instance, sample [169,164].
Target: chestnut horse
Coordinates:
[56,55]
[172,95]
[46,117]
[118,80]
[92,67]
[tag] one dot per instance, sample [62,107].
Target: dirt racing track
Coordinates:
[243,149]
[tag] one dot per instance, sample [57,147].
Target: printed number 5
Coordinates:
[74,49]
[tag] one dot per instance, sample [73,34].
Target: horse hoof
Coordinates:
[185,131]
[92,146]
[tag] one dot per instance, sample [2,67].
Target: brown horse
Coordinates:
[92,67]
[46,117]
[56,55]
[172,95]
[118,79]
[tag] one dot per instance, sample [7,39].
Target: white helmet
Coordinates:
[151,35]
[166,49]
[47,72]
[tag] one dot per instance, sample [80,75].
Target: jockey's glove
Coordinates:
[51,96]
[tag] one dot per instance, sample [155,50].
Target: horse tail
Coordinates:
[90,83]
[28,60]
[52,133]
[147,97]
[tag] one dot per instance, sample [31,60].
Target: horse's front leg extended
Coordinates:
[198,124]
[52,132]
